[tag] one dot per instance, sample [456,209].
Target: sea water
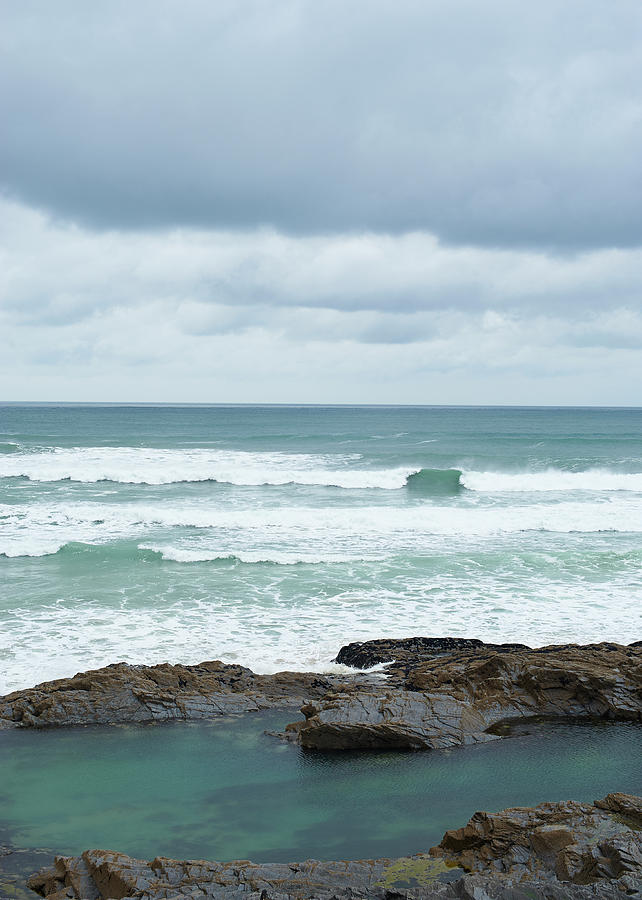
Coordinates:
[272,535]
[225,790]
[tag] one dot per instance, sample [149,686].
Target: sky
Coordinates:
[294,201]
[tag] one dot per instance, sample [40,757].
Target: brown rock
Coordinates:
[125,693]
[572,842]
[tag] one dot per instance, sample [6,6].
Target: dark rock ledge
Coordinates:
[555,851]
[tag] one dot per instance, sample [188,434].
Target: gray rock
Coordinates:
[122,693]
[438,702]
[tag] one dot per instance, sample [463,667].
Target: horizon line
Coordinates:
[322,405]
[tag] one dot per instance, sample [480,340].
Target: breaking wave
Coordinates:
[142,465]
[435,482]
[134,465]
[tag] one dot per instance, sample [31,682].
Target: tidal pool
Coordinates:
[225,790]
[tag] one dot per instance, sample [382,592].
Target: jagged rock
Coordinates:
[438,702]
[126,693]
[577,843]
[101,874]
[556,851]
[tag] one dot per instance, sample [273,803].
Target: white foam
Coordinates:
[298,534]
[145,465]
[42,642]
[552,480]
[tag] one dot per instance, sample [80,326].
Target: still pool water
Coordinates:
[226,790]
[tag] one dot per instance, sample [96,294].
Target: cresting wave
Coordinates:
[135,465]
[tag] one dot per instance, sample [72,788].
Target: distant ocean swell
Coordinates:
[270,536]
[156,467]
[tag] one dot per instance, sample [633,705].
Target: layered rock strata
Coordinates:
[123,693]
[556,851]
[435,701]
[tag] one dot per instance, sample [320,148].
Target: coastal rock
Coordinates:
[577,843]
[437,702]
[424,701]
[123,693]
[392,720]
[555,851]
[101,874]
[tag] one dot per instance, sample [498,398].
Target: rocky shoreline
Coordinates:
[555,851]
[433,693]
[436,693]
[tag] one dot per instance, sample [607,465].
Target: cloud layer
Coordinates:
[258,316]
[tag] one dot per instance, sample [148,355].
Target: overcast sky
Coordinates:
[291,201]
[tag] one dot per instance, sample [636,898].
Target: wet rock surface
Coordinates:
[554,851]
[365,654]
[435,701]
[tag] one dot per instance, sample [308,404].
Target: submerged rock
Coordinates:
[556,851]
[16,865]
[432,702]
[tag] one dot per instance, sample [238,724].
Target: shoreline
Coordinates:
[434,692]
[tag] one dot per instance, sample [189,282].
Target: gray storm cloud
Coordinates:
[489,123]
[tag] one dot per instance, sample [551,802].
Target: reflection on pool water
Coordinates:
[225,790]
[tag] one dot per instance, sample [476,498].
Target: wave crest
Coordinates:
[435,482]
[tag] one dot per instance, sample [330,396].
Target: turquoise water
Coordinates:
[273,535]
[227,791]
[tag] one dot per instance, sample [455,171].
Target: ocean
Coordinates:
[272,535]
